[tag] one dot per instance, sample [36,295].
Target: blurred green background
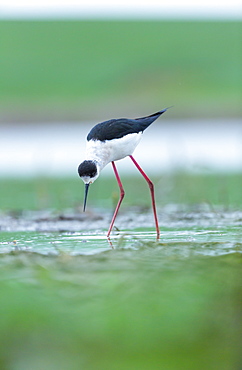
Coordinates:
[96,69]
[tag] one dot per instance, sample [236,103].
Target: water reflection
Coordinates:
[182,243]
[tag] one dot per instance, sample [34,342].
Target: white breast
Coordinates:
[111,150]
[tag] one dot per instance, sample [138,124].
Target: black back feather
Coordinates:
[117,128]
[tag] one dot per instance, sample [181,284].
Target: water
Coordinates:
[183,242]
[57,149]
[183,232]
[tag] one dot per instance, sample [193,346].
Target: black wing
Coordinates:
[113,129]
[117,128]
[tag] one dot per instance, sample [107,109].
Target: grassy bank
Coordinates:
[82,69]
[178,188]
[120,310]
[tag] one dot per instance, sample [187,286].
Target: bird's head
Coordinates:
[88,171]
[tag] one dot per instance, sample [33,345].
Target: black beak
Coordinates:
[85,196]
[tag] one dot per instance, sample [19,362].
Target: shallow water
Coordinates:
[183,232]
[183,242]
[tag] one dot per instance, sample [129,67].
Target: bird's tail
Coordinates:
[147,120]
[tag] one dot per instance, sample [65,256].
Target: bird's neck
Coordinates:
[99,157]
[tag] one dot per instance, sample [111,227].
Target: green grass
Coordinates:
[120,310]
[77,69]
[178,188]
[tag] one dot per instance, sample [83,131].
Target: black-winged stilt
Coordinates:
[108,142]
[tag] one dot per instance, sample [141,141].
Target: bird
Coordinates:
[110,141]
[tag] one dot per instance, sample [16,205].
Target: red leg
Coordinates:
[151,186]
[120,199]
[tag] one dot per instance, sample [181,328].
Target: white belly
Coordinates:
[112,150]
